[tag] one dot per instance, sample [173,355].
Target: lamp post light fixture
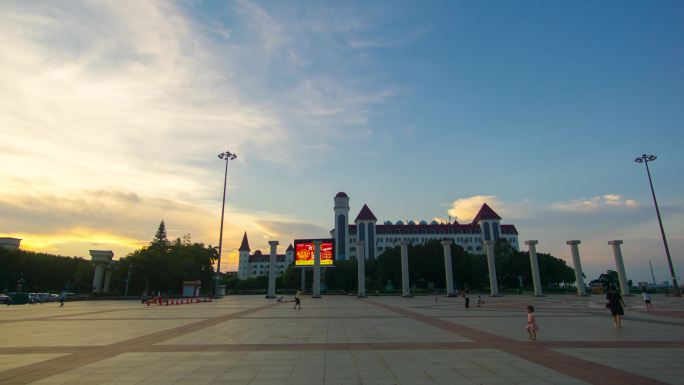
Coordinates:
[223,156]
[645,159]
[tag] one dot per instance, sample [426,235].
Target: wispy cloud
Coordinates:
[123,221]
[110,108]
[597,203]
[106,90]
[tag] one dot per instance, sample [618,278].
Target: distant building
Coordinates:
[485,226]
[254,265]
[10,243]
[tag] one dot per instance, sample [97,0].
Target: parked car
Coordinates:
[5,299]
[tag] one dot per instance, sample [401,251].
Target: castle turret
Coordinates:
[289,255]
[243,264]
[490,223]
[341,226]
[365,230]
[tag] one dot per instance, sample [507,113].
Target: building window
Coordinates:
[496,230]
[362,231]
[341,236]
[371,241]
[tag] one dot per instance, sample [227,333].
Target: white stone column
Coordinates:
[361,264]
[624,286]
[97,278]
[405,287]
[316,289]
[534,264]
[272,269]
[491,264]
[108,281]
[100,259]
[447,268]
[579,278]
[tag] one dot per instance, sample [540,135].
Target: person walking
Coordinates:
[532,326]
[616,306]
[61,299]
[298,302]
[647,300]
[467,299]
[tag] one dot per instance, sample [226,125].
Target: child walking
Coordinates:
[532,326]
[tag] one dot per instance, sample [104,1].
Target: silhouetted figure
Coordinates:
[616,306]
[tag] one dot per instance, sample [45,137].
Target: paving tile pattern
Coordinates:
[342,340]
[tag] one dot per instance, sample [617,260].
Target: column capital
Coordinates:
[615,242]
[317,242]
[487,243]
[448,242]
[574,242]
[360,243]
[273,243]
[531,242]
[403,243]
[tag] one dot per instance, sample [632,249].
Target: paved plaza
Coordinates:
[342,340]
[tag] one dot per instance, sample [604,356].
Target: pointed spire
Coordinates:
[365,215]
[485,213]
[245,244]
[290,248]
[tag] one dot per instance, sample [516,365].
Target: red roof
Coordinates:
[290,248]
[508,229]
[341,194]
[433,229]
[259,257]
[485,213]
[365,215]
[244,246]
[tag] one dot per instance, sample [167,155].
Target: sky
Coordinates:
[112,114]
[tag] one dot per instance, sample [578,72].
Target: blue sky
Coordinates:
[114,113]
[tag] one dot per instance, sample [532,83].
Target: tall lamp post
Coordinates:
[645,159]
[223,156]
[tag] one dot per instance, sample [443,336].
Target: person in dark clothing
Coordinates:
[298,302]
[467,299]
[616,306]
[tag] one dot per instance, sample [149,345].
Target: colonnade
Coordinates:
[450,291]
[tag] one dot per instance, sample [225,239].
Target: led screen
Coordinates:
[304,252]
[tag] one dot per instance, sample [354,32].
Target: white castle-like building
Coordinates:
[254,265]
[377,238]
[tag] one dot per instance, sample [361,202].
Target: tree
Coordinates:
[160,241]
[162,266]
[609,279]
[43,272]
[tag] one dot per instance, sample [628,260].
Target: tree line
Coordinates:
[426,271]
[162,266]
